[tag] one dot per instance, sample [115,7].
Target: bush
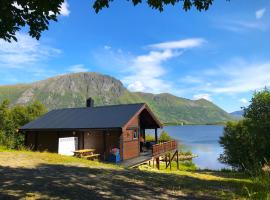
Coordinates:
[149,138]
[12,118]
[260,188]
[247,142]
[164,137]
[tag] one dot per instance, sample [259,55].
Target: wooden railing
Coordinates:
[164,147]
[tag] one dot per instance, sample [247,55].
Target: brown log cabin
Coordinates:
[101,128]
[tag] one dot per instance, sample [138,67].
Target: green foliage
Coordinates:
[159,5]
[164,137]
[35,14]
[187,165]
[247,142]
[11,118]
[186,153]
[149,138]
[261,187]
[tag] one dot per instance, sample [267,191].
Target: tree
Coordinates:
[149,138]
[12,118]
[36,14]
[247,142]
[164,137]
[159,4]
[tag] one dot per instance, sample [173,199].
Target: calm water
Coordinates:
[202,140]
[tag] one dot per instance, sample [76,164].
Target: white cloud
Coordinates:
[146,72]
[246,77]
[27,51]
[238,76]
[243,100]
[107,47]
[179,44]
[202,96]
[136,86]
[64,10]
[239,26]
[260,13]
[77,68]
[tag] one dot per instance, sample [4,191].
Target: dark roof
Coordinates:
[113,116]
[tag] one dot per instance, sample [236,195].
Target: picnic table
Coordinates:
[86,153]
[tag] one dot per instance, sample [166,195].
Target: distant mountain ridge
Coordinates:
[238,114]
[71,90]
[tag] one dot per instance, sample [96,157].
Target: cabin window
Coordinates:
[135,134]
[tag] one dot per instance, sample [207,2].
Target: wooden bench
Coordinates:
[92,157]
[83,153]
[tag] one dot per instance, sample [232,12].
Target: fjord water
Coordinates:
[202,140]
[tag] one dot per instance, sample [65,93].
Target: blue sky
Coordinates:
[221,55]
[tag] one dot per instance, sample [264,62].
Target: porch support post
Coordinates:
[79,136]
[25,139]
[157,161]
[104,143]
[166,160]
[156,137]
[144,134]
[58,136]
[83,139]
[177,160]
[170,160]
[121,145]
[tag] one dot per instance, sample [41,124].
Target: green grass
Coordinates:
[51,176]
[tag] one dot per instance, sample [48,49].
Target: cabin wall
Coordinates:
[48,141]
[98,139]
[94,140]
[131,145]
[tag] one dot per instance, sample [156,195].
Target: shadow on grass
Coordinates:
[224,174]
[71,182]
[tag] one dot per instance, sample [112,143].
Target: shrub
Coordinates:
[149,138]
[164,137]
[12,118]
[247,142]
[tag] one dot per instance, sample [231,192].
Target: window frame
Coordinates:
[135,133]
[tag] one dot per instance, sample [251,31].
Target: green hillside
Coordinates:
[72,90]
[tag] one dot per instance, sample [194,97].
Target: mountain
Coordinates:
[71,90]
[238,114]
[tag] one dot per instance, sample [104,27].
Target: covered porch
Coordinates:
[102,140]
[167,150]
[146,122]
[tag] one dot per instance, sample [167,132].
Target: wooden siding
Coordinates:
[131,145]
[112,141]
[94,140]
[47,141]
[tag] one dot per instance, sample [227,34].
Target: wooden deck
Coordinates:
[158,150]
[161,148]
[133,162]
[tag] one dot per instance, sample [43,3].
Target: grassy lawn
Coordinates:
[29,175]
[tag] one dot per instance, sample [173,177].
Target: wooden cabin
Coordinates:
[101,128]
